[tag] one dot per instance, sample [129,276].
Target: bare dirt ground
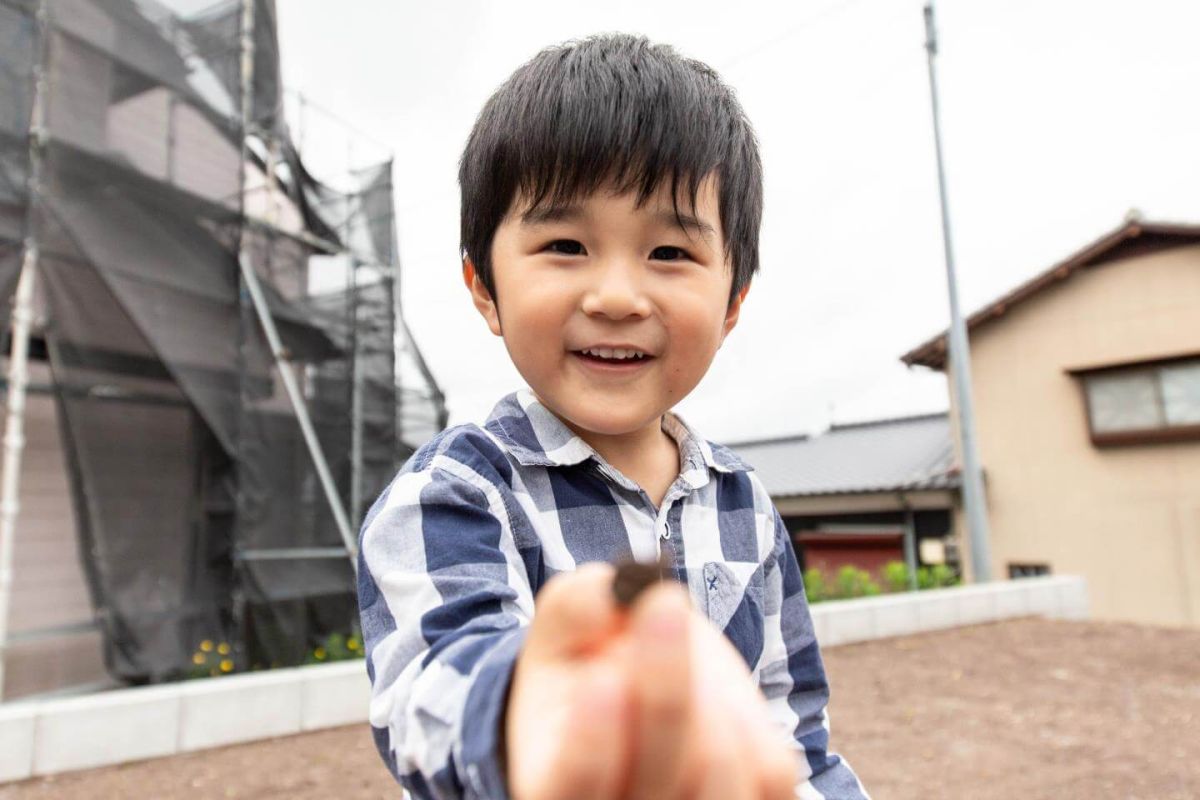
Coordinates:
[1027,708]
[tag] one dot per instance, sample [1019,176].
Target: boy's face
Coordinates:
[603,273]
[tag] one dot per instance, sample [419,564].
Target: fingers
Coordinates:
[661,677]
[727,778]
[595,758]
[729,767]
[575,612]
[780,775]
[774,758]
[742,759]
[772,754]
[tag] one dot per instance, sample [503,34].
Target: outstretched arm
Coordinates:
[445,604]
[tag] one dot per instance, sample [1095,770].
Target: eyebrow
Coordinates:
[686,221]
[571,213]
[547,214]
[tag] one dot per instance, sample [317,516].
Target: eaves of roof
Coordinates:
[904,454]
[1132,238]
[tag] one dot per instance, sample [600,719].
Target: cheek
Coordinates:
[533,326]
[695,338]
[697,329]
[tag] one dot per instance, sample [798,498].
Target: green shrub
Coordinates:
[936,577]
[212,658]
[855,582]
[815,588]
[850,581]
[336,647]
[896,575]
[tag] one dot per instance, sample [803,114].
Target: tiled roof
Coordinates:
[909,453]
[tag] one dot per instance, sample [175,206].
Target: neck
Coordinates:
[626,451]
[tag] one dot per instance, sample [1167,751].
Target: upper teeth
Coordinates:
[614,352]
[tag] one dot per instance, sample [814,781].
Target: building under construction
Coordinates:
[205,354]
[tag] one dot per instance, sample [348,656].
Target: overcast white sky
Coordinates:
[1058,116]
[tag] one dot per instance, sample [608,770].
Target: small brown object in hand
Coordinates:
[635,577]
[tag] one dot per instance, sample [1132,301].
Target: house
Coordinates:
[864,494]
[1086,383]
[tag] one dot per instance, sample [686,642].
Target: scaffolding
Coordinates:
[232,378]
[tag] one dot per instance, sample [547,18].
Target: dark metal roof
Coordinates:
[908,453]
[1132,238]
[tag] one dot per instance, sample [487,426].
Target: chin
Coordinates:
[606,421]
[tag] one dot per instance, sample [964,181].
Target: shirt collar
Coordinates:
[535,436]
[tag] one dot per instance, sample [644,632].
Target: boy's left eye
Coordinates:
[668,253]
[566,247]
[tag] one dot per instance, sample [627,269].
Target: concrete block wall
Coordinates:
[58,735]
[866,618]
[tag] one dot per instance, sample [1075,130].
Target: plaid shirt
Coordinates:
[453,553]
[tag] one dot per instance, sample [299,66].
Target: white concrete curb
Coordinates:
[866,618]
[48,736]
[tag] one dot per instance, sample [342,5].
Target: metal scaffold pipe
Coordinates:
[18,361]
[960,359]
[263,313]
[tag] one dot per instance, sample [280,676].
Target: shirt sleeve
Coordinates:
[445,604]
[792,677]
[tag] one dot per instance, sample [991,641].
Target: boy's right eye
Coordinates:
[566,247]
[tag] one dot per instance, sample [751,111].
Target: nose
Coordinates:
[616,291]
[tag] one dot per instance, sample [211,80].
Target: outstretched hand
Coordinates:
[649,703]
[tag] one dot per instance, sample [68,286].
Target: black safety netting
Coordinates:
[200,510]
[18,50]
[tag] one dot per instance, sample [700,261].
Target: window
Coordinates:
[1144,402]
[1027,570]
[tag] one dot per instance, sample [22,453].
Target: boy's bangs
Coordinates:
[602,160]
[611,112]
[629,121]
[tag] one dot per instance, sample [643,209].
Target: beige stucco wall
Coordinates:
[1127,518]
[48,588]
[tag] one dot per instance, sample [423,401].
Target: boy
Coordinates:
[611,200]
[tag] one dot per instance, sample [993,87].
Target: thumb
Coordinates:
[575,612]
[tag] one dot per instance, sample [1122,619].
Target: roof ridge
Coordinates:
[841,426]
[781,439]
[871,423]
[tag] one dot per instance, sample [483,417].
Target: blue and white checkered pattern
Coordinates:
[453,553]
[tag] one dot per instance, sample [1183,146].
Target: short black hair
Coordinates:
[611,108]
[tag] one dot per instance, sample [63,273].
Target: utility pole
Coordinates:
[960,359]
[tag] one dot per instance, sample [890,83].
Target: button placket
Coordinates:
[662,525]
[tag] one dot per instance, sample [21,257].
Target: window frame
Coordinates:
[1134,436]
[1020,570]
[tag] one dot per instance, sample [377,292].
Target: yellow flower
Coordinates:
[198,658]
[352,643]
[319,653]
[223,649]
[206,646]
[226,665]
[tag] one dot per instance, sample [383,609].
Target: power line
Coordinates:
[832,10]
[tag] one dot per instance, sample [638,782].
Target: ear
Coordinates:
[481,297]
[735,309]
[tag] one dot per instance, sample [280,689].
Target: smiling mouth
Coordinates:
[623,364]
